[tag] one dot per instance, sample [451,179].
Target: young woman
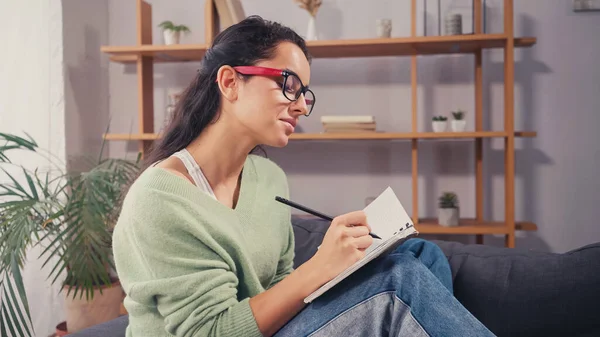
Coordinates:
[203,249]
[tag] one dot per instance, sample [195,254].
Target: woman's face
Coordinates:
[260,106]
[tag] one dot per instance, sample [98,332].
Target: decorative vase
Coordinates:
[453,24]
[171,36]
[311,32]
[438,126]
[458,125]
[448,217]
[384,28]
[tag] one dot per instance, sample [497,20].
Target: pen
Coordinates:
[312,211]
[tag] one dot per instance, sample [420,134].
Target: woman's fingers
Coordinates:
[363,242]
[357,218]
[357,231]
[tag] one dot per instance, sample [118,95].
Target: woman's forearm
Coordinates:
[273,308]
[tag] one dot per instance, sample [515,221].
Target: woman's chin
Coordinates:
[280,140]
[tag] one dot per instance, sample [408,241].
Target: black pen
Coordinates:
[312,211]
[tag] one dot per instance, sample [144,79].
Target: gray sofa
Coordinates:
[514,292]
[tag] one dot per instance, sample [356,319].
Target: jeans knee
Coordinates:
[422,249]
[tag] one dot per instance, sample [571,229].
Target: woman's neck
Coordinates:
[221,152]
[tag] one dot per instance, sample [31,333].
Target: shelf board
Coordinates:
[398,46]
[359,135]
[471,226]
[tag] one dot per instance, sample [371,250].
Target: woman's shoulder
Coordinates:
[158,188]
[266,167]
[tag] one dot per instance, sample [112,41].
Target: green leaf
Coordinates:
[16,184]
[16,307]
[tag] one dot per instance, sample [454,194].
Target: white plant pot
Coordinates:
[171,37]
[448,217]
[311,32]
[438,126]
[458,125]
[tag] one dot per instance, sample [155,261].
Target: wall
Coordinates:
[556,94]
[32,101]
[86,79]
[54,86]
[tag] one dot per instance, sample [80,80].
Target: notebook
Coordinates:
[389,221]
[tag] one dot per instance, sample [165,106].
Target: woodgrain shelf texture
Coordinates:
[359,136]
[401,46]
[471,226]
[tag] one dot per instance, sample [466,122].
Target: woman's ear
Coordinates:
[228,82]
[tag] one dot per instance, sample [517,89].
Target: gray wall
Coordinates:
[85,30]
[556,94]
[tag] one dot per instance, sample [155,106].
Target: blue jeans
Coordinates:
[405,293]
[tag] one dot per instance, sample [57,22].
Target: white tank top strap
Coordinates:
[194,171]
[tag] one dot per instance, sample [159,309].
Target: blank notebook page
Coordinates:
[386,215]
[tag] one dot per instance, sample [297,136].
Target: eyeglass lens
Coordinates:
[293,89]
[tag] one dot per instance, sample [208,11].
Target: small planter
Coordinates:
[172,32]
[458,125]
[448,217]
[448,209]
[171,36]
[439,126]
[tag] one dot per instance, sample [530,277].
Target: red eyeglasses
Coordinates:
[291,86]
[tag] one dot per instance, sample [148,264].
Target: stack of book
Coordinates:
[334,124]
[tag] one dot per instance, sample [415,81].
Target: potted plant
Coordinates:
[448,211]
[172,32]
[439,123]
[72,215]
[458,123]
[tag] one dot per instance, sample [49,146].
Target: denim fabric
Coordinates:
[405,293]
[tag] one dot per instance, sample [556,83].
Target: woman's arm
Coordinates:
[343,245]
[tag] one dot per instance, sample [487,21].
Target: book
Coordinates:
[349,126]
[348,119]
[388,219]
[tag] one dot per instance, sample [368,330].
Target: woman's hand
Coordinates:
[343,245]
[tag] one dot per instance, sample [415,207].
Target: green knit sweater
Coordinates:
[189,264]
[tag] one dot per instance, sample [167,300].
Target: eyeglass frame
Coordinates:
[265,71]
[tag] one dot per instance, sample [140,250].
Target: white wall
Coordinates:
[54,86]
[556,94]
[32,101]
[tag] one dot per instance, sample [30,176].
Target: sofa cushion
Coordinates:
[514,292]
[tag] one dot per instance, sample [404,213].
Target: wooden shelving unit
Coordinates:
[144,54]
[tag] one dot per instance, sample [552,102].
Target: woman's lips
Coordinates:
[290,123]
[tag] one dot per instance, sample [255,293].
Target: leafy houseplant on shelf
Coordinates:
[459,123]
[438,123]
[448,210]
[69,214]
[172,32]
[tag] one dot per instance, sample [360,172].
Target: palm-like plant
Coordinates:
[71,213]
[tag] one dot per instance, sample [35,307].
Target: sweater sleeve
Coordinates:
[285,266]
[163,265]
